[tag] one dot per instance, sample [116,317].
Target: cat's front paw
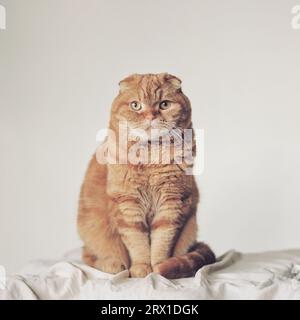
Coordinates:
[140,270]
[157,268]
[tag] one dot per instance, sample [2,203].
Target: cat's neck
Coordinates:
[164,150]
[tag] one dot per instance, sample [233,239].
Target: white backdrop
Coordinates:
[60,62]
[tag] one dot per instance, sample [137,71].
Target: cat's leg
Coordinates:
[103,246]
[134,231]
[104,249]
[187,237]
[167,224]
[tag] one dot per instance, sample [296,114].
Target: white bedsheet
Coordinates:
[268,275]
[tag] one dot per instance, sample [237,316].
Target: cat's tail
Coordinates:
[187,264]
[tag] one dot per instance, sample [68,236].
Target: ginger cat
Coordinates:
[142,216]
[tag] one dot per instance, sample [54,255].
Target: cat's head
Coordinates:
[151,101]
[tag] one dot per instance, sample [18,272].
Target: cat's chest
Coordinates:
[128,180]
[142,182]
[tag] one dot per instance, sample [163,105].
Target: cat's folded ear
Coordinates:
[175,81]
[127,82]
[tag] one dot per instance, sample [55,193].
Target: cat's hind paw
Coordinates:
[110,265]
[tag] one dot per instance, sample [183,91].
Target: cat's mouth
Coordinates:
[155,124]
[153,132]
[148,134]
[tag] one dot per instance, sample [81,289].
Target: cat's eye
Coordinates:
[164,105]
[135,106]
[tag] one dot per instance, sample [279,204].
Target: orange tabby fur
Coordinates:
[143,217]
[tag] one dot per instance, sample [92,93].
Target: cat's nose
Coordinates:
[150,115]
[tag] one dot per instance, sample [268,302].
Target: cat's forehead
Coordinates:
[150,86]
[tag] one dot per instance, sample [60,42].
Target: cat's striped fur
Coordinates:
[143,217]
